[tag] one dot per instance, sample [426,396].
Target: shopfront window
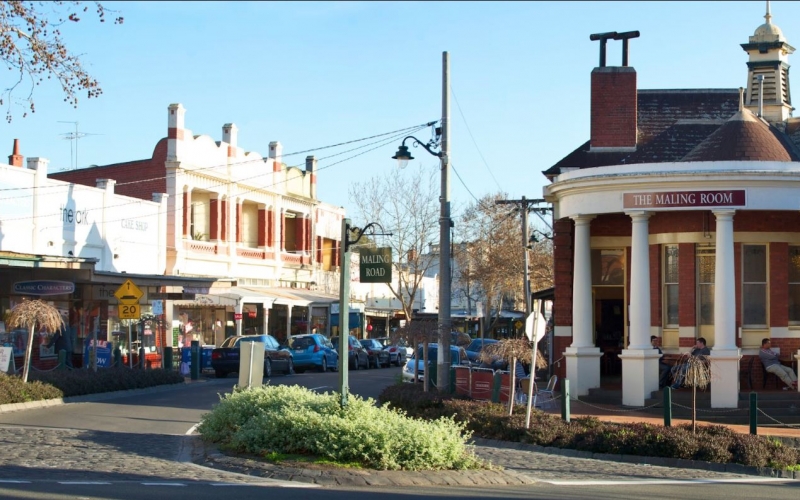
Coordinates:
[319,320]
[706,261]
[608,267]
[671,286]
[794,285]
[754,286]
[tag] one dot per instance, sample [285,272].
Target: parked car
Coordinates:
[475,347]
[398,351]
[457,357]
[225,358]
[357,356]
[313,350]
[378,356]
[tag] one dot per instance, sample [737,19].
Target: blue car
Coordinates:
[475,347]
[313,350]
[457,357]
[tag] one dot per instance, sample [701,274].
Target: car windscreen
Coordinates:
[229,342]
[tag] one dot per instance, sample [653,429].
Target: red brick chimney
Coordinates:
[15,159]
[613,108]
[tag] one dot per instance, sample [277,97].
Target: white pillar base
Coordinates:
[725,378]
[583,369]
[639,375]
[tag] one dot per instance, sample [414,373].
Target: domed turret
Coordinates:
[767,32]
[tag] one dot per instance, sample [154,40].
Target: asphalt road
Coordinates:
[126,428]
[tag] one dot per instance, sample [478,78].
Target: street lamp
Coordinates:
[403,156]
[537,239]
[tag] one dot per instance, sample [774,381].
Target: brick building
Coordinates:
[230,213]
[679,218]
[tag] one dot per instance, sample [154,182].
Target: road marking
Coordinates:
[754,479]
[14,481]
[192,429]
[163,484]
[83,482]
[320,387]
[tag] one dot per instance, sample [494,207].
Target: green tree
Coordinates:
[32,47]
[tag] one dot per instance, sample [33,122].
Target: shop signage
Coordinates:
[237,316]
[7,360]
[44,287]
[104,349]
[252,314]
[676,199]
[375,265]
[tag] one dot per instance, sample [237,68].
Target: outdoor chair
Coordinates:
[524,384]
[547,395]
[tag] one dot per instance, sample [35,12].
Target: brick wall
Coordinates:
[655,285]
[687,289]
[778,284]
[138,179]
[611,225]
[563,242]
[677,222]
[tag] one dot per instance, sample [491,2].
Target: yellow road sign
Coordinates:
[129,311]
[518,324]
[128,293]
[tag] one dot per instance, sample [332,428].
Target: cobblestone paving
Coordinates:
[78,455]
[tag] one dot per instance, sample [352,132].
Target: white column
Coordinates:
[640,360]
[582,357]
[724,355]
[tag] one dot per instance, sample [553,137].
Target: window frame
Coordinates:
[665,285]
[755,326]
[795,322]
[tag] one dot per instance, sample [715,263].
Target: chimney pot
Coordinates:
[15,159]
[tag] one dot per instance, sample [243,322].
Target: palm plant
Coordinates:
[30,314]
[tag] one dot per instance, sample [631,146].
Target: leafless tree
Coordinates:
[31,314]
[32,47]
[511,350]
[405,203]
[489,258]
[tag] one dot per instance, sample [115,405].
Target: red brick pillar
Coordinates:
[778,284]
[187,213]
[687,285]
[223,209]
[239,222]
[282,244]
[270,228]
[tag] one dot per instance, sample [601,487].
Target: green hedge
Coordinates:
[491,421]
[294,420]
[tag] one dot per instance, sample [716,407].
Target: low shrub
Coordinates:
[488,420]
[80,382]
[294,420]
[14,390]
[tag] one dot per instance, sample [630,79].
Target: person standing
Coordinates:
[772,364]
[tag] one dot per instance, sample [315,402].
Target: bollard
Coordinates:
[62,360]
[452,380]
[753,413]
[667,406]
[117,358]
[565,400]
[195,368]
[166,359]
[497,381]
[142,358]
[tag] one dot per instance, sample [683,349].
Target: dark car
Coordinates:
[474,349]
[378,356]
[357,356]
[313,351]
[225,358]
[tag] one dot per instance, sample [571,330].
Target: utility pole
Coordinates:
[524,206]
[443,356]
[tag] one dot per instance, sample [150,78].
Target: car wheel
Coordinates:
[356,364]
[267,368]
[290,367]
[220,373]
[324,366]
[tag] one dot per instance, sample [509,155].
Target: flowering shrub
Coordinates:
[295,420]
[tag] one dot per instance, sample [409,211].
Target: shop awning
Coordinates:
[209,299]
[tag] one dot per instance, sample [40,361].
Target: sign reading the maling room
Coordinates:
[375,265]
[673,199]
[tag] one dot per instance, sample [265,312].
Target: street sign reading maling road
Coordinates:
[375,265]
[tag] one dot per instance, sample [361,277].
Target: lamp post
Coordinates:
[403,156]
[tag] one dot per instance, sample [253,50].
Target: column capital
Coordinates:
[582,219]
[724,214]
[639,215]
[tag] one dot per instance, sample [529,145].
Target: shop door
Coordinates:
[609,314]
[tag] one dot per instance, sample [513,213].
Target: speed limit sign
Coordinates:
[129,311]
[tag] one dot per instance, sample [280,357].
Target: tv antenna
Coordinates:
[74,136]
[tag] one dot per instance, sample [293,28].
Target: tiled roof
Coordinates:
[744,137]
[672,123]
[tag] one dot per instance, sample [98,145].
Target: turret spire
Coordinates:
[768,16]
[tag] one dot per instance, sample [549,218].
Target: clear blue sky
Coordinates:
[311,74]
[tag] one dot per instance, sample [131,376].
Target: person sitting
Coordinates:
[699,349]
[663,367]
[772,364]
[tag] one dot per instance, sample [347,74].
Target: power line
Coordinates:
[452,91]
